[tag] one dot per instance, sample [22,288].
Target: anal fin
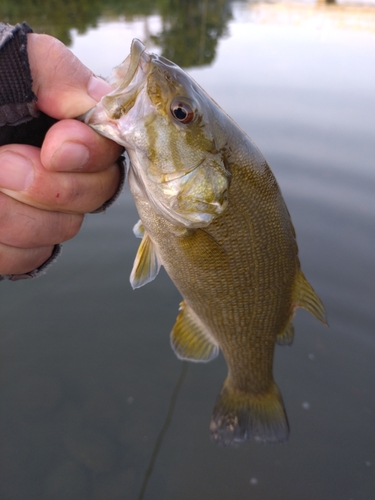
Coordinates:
[304,296]
[189,340]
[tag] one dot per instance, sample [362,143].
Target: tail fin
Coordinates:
[239,416]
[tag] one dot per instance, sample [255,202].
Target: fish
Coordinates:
[212,213]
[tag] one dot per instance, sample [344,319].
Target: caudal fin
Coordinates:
[239,416]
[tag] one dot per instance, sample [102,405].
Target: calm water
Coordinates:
[87,374]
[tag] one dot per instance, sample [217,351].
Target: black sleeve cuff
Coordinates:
[17,100]
[36,272]
[20,120]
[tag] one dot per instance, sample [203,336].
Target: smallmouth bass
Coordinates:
[212,214]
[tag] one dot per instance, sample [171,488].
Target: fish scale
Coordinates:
[213,215]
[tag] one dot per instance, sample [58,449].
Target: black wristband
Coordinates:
[20,120]
[17,100]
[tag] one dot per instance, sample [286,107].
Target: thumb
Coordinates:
[65,87]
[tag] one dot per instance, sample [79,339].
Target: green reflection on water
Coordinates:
[190,28]
[54,17]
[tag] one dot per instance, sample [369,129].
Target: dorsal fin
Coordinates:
[304,296]
[146,264]
[189,340]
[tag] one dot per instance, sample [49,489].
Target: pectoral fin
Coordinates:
[189,340]
[139,229]
[306,297]
[146,264]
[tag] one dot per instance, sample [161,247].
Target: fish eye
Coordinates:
[183,111]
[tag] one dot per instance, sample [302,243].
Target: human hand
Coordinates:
[44,193]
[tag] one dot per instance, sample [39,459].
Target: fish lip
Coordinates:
[137,53]
[85,117]
[139,59]
[136,72]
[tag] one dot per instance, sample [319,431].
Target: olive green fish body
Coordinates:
[238,283]
[213,215]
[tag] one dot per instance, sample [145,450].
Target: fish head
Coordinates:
[166,123]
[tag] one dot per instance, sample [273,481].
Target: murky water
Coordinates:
[89,405]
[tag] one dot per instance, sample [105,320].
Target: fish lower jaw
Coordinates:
[109,130]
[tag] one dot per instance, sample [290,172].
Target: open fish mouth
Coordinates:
[126,80]
[123,74]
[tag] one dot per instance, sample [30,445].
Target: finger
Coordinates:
[24,226]
[19,260]
[65,88]
[72,146]
[23,177]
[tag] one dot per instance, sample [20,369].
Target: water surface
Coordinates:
[87,373]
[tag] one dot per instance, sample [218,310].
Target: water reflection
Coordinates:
[190,28]
[87,372]
[55,17]
[167,423]
[321,14]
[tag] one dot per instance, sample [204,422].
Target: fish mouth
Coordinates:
[127,76]
[124,73]
[126,79]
